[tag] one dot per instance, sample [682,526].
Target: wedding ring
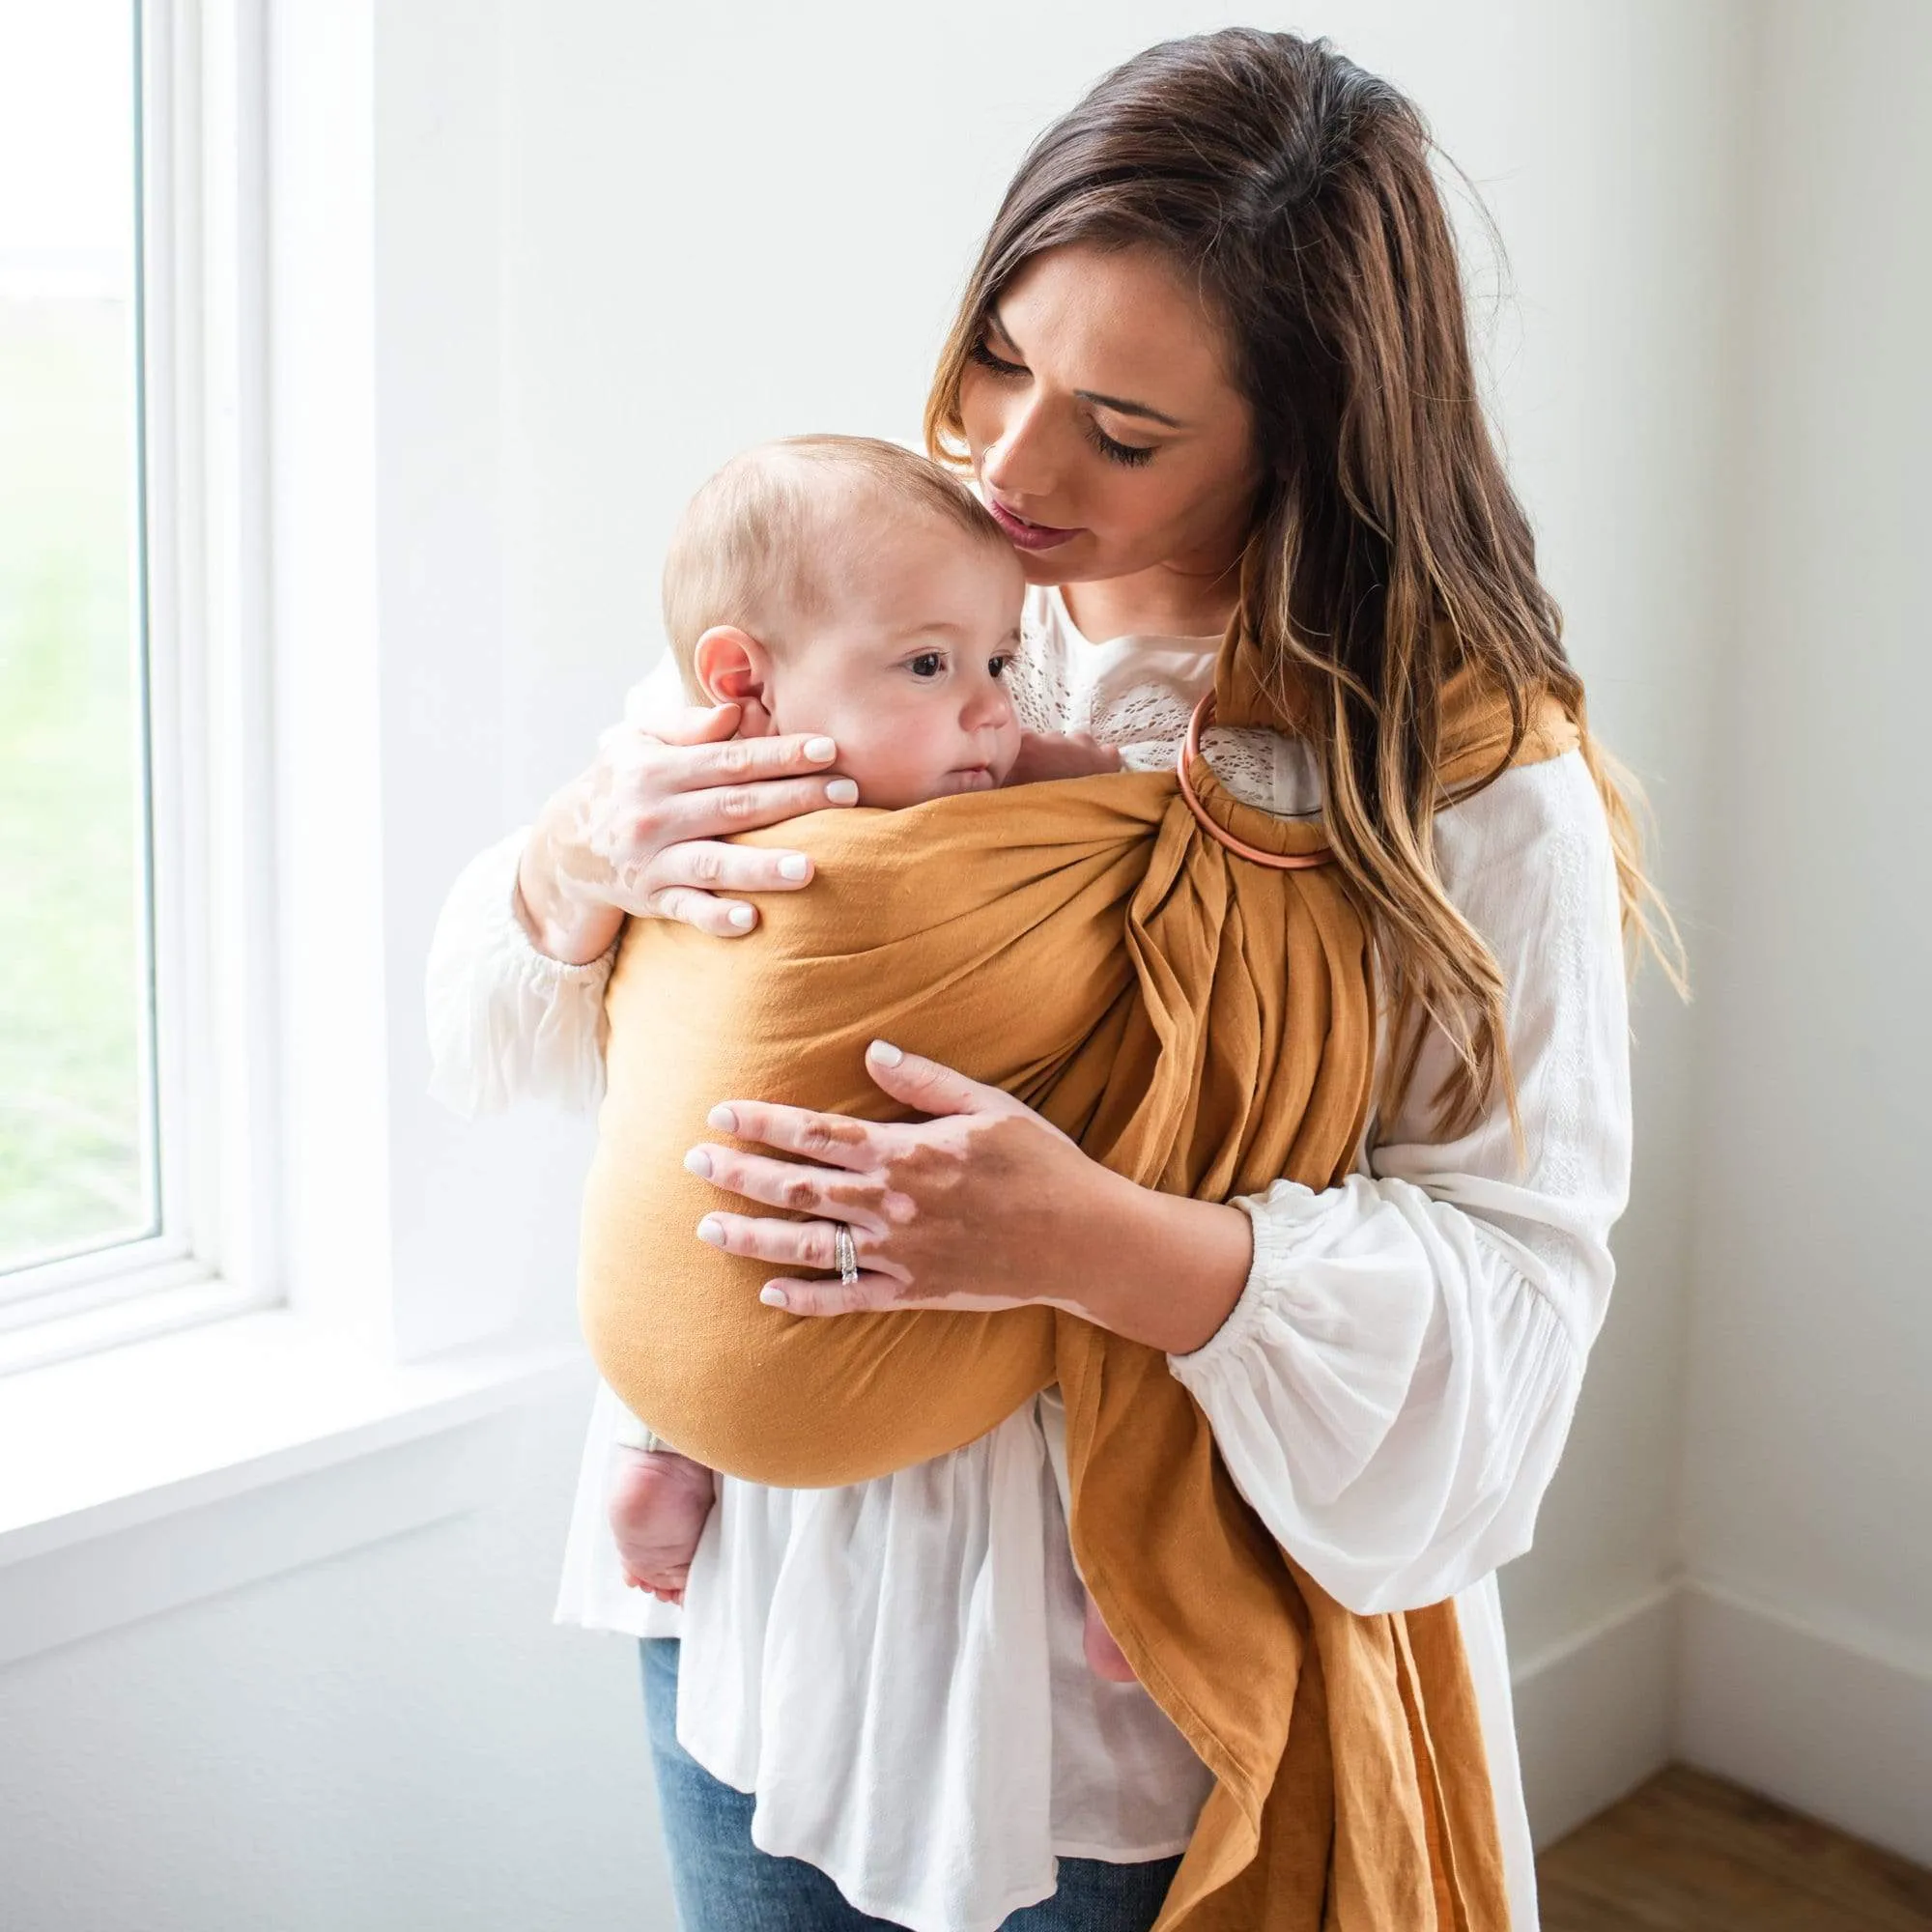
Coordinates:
[844,1254]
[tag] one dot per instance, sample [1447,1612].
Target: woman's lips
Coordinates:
[1027,535]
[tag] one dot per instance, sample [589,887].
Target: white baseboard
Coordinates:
[1692,1672]
[1595,1714]
[1812,1720]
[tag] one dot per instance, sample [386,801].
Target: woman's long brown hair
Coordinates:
[1387,550]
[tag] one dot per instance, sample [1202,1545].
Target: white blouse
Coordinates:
[896,1669]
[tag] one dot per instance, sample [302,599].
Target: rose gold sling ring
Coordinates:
[1280,861]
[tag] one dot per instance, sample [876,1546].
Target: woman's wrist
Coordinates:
[560,924]
[1171,1269]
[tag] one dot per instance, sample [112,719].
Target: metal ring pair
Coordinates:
[844,1254]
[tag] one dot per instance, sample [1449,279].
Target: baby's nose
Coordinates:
[989,705]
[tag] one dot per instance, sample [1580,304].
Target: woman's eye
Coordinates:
[996,364]
[1131,455]
[929,663]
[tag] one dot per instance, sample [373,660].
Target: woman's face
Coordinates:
[1106,433]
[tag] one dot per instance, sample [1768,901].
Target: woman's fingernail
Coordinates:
[742,916]
[822,750]
[842,792]
[711,1229]
[773,1295]
[794,868]
[884,1053]
[698,1162]
[722,1119]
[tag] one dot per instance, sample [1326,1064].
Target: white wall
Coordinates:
[396,1741]
[1809,1465]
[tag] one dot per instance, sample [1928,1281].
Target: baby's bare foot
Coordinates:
[1105,1658]
[657,1503]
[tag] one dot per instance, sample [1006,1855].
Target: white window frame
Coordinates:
[334,319]
[199,80]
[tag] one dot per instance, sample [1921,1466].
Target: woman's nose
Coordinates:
[1015,463]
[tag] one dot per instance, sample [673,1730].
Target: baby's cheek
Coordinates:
[1009,754]
[887,772]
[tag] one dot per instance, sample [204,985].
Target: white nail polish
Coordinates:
[884,1053]
[698,1162]
[842,792]
[773,1297]
[820,749]
[794,868]
[722,1119]
[711,1230]
[742,917]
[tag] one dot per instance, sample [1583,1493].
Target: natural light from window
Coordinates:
[78,1159]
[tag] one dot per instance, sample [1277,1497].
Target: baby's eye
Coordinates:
[999,664]
[929,663]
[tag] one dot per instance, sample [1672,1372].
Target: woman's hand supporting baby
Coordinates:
[985,1206]
[642,830]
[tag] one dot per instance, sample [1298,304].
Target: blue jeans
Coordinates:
[725,1884]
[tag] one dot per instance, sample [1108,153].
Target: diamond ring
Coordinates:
[844,1255]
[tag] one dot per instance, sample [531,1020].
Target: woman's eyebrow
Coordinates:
[1122,408]
[1117,404]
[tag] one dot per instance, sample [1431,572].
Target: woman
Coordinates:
[1212,364]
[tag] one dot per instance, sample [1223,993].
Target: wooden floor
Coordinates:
[1688,1853]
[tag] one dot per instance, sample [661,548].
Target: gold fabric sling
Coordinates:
[1199,1022]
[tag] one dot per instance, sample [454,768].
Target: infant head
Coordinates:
[844,585]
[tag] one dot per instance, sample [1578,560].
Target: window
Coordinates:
[128,675]
[78,1154]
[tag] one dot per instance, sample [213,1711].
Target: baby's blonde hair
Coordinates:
[760,544]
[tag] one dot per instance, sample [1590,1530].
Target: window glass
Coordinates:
[79,1163]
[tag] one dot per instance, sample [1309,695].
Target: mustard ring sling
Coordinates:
[1119,953]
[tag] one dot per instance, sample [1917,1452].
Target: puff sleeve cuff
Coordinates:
[507,1022]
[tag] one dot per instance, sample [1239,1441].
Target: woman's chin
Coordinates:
[1063,566]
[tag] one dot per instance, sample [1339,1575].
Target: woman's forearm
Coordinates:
[1166,1270]
[570,926]
[507,1023]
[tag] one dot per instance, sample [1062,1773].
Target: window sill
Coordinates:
[153,1475]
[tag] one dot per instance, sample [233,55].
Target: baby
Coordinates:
[844,585]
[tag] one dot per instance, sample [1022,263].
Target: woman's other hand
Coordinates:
[641,831]
[985,1206]
[1062,754]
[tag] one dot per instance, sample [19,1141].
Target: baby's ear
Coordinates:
[732,667]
